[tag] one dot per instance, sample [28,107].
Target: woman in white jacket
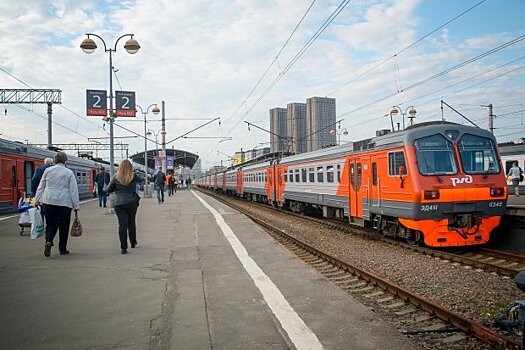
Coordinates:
[58,190]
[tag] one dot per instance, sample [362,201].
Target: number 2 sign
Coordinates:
[96,102]
[125,103]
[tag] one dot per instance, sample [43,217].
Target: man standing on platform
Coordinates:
[160,180]
[102,182]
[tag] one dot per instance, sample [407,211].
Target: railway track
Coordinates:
[415,314]
[503,263]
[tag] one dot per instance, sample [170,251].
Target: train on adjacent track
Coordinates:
[438,183]
[18,162]
[510,153]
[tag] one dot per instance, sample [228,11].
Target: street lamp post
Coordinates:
[89,46]
[156,134]
[411,111]
[338,133]
[155,110]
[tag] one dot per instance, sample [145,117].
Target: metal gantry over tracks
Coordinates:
[31,96]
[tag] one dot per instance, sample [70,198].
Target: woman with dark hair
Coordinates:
[59,192]
[126,203]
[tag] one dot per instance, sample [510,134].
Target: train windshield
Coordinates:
[478,154]
[435,155]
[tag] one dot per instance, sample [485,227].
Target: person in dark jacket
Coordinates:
[102,181]
[160,180]
[35,180]
[126,203]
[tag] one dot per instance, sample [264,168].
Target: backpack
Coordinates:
[521,175]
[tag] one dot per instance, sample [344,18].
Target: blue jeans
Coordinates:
[102,198]
[160,193]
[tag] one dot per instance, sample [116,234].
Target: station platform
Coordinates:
[515,205]
[203,277]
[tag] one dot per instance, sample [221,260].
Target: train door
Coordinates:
[355,167]
[279,184]
[29,169]
[13,183]
[271,188]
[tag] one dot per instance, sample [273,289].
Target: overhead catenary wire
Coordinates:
[404,49]
[438,75]
[292,62]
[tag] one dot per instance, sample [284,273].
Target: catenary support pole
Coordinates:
[163,133]
[49,125]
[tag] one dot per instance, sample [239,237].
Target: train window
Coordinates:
[320,175]
[396,163]
[478,154]
[297,176]
[285,177]
[359,175]
[352,173]
[290,175]
[329,173]
[508,165]
[338,172]
[374,174]
[303,175]
[311,175]
[435,155]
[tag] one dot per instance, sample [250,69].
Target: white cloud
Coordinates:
[203,58]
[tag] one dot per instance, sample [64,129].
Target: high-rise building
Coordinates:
[320,119]
[296,126]
[278,142]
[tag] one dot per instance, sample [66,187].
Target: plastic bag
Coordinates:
[37,223]
[76,229]
[25,218]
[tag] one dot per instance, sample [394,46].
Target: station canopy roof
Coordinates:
[182,158]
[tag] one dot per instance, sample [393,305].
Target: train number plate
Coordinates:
[496,204]
[429,207]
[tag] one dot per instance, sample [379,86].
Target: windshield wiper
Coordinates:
[429,168]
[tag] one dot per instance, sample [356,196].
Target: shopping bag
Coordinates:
[105,187]
[25,218]
[37,223]
[24,203]
[95,192]
[76,229]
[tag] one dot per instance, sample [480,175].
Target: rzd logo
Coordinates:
[464,180]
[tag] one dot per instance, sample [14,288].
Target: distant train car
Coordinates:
[254,182]
[510,153]
[18,162]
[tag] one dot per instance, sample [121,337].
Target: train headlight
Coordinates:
[497,191]
[434,194]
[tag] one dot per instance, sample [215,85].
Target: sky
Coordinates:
[207,59]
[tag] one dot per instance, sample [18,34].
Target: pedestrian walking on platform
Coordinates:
[102,182]
[35,180]
[167,183]
[188,183]
[160,180]
[516,175]
[126,203]
[171,184]
[58,191]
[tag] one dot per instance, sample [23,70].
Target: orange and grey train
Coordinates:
[440,184]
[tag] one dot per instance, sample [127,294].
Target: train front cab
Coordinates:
[454,184]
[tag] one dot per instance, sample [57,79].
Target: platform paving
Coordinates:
[184,287]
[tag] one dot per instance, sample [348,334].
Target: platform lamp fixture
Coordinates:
[411,111]
[89,46]
[338,133]
[155,110]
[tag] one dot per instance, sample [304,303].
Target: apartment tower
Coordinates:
[296,124]
[278,129]
[320,119]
